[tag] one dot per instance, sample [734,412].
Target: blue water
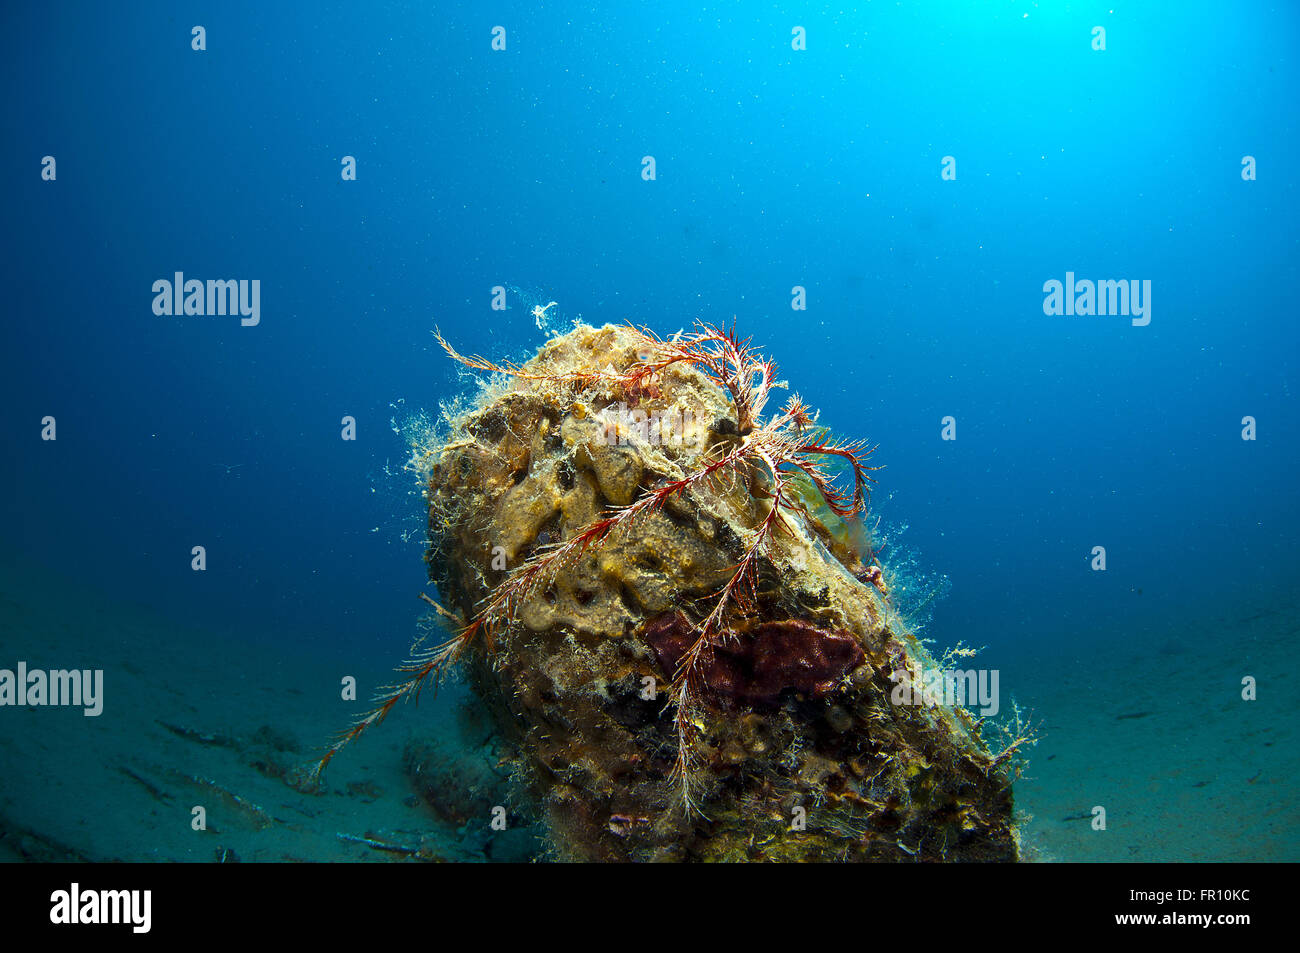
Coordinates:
[775,168]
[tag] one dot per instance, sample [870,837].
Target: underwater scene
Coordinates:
[650,432]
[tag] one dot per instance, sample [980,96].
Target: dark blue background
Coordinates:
[775,168]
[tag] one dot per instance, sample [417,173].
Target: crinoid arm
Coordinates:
[728,361]
[413,674]
[738,594]
[855,454]
[523,582]
[684,697]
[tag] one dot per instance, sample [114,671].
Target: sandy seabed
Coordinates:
[1149,725]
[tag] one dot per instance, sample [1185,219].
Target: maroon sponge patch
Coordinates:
[764,660]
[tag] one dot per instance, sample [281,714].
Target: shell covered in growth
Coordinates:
[688,662]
